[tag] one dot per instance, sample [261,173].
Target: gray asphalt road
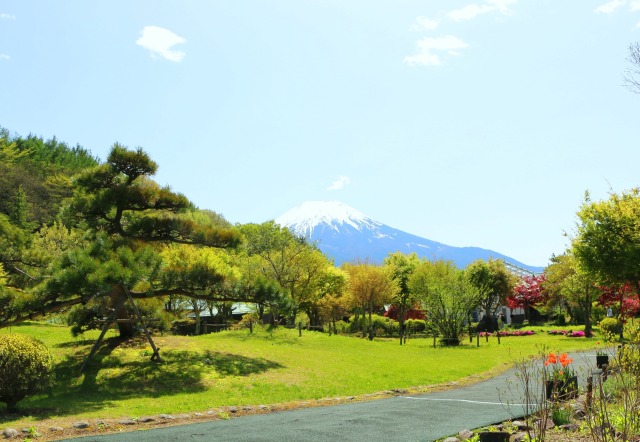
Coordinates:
[424,417]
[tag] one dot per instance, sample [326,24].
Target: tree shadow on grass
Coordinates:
[108,378]
[75,343]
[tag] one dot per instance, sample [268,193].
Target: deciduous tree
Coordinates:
[296,265]
[528,293]
[568,284]
[401,267]
[370,286]
[494,283]
[447,297]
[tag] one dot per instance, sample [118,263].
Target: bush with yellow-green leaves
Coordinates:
[26,368]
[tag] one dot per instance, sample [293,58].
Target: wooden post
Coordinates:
[156,352]
[110,320]
[300,329]
[498,333]
[478,339]
[589,400]
[250,326]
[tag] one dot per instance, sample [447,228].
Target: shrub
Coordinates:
[383,325]
[610,328]
[25,368]
[416,325]
[184,327]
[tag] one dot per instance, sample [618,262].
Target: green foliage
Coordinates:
[447,297]
[416,325]
[561,414]
[34,176]
[492,281]
[184,327]
[25,368]
[607,244]
[382,325]
[298,267]
[610,328]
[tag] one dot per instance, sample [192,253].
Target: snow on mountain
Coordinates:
[346,234]
[303,219]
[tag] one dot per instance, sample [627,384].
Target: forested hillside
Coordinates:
[35,176]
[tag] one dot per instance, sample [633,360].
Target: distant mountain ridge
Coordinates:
[346,234]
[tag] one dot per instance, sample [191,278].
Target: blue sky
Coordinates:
[472,123]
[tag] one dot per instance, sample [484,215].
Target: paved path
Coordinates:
[424,417]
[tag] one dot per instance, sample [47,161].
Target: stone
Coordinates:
[198,414]
[80,425]
[570,427]
[127,422]
[520,437]
[350,398]
[167,417]
[520,425]
[465,434]
[145,419]
[56,429]
[451,439]
[10,433]
[102,423]
[232,409]
[579,409]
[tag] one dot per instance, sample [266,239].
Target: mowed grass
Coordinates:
[237,368]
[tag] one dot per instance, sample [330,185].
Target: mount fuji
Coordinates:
[346,234]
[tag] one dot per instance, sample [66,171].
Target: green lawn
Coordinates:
[236,368]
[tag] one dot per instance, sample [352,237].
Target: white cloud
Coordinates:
[4,57]
[635,5]
[340,183]
[610,7]
[160,41]
[428,47]
[426,23]
[7,17]
[502,6]
[471,11]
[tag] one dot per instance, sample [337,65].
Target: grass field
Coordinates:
[237,368]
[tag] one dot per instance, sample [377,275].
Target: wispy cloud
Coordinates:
[4,16]
[635,5]
[473,10]
[4,57]
[431,49]
[424,23]
[469,12]
[340,183]
[160,42]
[610,7]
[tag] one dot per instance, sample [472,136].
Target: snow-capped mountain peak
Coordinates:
[308,215]
[347,235]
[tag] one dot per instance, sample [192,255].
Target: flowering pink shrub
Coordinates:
[510,333]
[568,333]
